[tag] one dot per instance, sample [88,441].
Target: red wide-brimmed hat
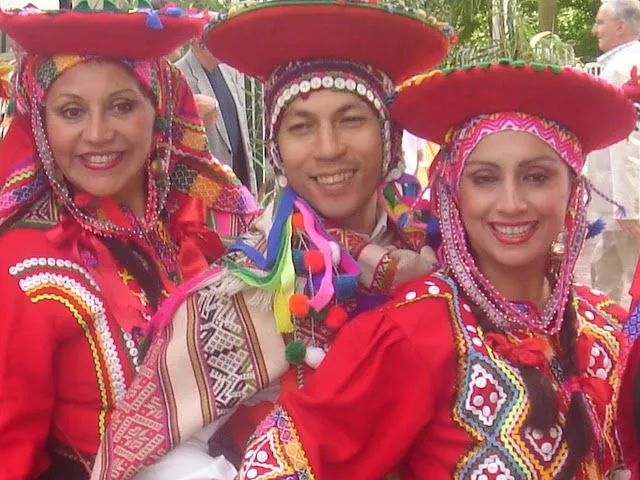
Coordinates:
[256,37]
[595,111]
[139,34]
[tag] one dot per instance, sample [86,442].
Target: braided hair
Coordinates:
[543,398]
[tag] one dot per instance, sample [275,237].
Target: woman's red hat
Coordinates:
[595,111]
[140,34]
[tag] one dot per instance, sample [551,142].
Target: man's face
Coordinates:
[608,29]
[331,147]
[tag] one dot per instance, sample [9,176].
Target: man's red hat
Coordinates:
[256,37]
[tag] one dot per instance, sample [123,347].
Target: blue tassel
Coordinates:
[297,256]
[596,228]
[153,21]
[411,190]
[434,235]
[345,286]
[403,219]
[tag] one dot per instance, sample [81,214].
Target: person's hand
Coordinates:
[632,227]
[207,108]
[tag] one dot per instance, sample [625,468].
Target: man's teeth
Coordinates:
[515,230]
[333,179]
[101,159]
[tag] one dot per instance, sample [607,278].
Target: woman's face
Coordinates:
[99,124]
[513,199]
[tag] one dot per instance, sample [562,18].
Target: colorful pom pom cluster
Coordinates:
[298,245]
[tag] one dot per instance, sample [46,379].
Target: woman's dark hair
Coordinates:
[139,265]
[543,398]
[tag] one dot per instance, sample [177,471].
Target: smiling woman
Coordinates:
[110,199]
[100,126]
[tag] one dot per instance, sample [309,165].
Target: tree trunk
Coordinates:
[547,13]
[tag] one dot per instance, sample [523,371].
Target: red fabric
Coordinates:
[453,98]
[354,31]
[108,34]
[632,88]
[383,393]
[529,352]
[48,380]
[382,399]
[199,245]
[626,421]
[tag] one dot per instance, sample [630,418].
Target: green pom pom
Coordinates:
[161,124]
[294,352]
[319,316]
[538,67]
[504,61]
[485,65]
[11,108]
[555,68]
[519,64]
[143,4]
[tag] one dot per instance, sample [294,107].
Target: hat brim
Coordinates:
[100,33]
[595,111]
[261,38]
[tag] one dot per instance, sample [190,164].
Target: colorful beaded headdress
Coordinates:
[571,111]
[66,39]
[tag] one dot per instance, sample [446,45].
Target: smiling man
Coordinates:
[337,238]
[615,170]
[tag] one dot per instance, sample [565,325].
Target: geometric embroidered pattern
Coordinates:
[137,430]
[492,405]
[276,451]
[485,397]
[492,401]
[492,469]
[225,351]
[545,444]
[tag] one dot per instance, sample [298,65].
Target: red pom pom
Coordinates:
[297,222]
[299,305]
[336,317]
[314,261]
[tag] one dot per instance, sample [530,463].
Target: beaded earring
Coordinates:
[559,246]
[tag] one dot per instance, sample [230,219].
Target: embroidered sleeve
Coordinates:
[27,348]
[345,422]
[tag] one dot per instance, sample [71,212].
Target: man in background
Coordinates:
[229,134]
[615,171]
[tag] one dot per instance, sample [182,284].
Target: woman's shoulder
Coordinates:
[428,308]
[431,291]
[595,307]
